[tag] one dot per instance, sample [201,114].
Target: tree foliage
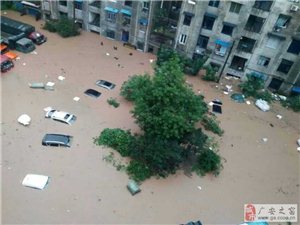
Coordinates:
[117,139]
[292,102]
[137,84]
[252,86]
[161,156]
[65,27]
[169,108]
[208,161]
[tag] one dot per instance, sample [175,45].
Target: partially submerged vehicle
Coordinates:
[35,181]
[61,116]
[105,84]
[57,140]
[6,63]
[93,93]
[5,51]
[25,45]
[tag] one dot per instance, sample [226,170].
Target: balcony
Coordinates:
[47,6]
[63,8]
[95,6]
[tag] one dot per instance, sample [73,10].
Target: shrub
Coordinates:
[265,95]
[50,26]
[66,28]
[293,103]
[212,125]
[130,89]
[210,74]
[252,86]
[208,161]
[113,102]
[138,171]
[117,139]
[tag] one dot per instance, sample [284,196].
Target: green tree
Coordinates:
[170,108]
[117,139]
[252,86]
[208,161]
[161,156]
[137,84]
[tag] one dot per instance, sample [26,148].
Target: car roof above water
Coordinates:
[57,138]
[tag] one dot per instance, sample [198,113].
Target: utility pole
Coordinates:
[223,67]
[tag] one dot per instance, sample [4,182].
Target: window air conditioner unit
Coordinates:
[294,8]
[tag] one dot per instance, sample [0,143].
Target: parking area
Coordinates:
[85,189]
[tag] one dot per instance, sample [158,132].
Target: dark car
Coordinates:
[105,84]
[92,93]
[57,140]
[194,223]
[37,38]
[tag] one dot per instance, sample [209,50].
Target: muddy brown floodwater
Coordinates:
[84,189]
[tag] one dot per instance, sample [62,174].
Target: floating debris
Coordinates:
[76,99]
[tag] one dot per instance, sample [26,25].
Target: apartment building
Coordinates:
[256,37]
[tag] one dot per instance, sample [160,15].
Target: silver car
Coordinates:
[61,116]
[57,140]
[105,84]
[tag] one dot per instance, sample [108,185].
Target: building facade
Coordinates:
[261,38]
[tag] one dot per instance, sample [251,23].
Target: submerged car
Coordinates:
[57,140]
[105,84]
[35,181]
[61,116]
[92,93]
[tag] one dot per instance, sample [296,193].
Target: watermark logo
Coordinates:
[271,212]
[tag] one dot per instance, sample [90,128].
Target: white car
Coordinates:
[61,116]
[35,181]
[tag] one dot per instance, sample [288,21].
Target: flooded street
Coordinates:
[84,189]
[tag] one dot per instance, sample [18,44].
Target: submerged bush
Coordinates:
[64,27]
[138,171]
[117,139]
[293,103]
[252,86]
[212,125]
[210,74]
[208,161]
[113,102]
[50,26]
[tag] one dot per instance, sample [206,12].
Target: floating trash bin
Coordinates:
[133,187]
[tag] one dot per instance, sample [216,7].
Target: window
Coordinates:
[202,41]
[111,17]
[220,50]
[63,3]
[187,19]
[126,20]
[294,47]
[128,3]
[254,24]
[140,45]
[275,84]
[146,6]
[238,63]
[208,22]
[110,34]
[235,7]
[273,42]
[182,39]
[263,61]
[227,29]
[285,66]
[214,3]
[246,44]
[78,5]
[282,22]
[263,5]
